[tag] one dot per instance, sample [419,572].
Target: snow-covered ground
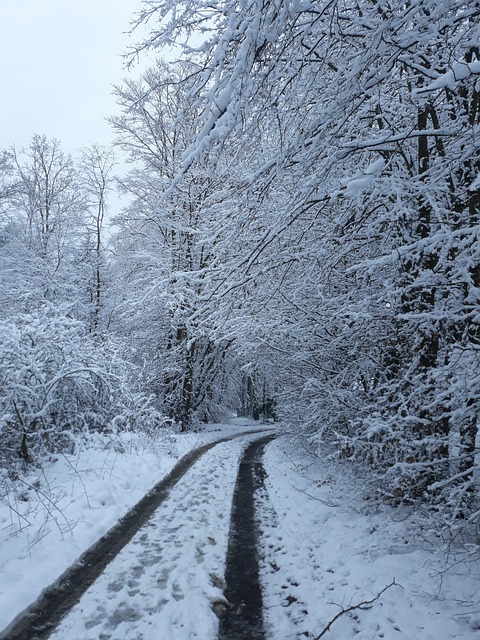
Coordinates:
[325,548]
[165,583]
[58,512]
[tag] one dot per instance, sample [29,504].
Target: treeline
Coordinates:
[62,373]
[96,316]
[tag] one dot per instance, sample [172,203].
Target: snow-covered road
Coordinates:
[173,527]
[173,566]
[321,549]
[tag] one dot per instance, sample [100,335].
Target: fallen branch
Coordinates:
[325,502]
[362,606]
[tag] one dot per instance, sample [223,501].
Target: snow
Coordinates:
[325,547]
[459,71]
[363,179]
[67,506]
[164,583]
[475,184]
[70,503]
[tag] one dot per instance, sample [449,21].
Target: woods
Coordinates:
[356,213]
[301,223]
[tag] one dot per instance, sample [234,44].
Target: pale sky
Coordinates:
[58,60]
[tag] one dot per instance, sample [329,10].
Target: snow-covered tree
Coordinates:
[43,216]
[96,169]
[165,249]
[358,221]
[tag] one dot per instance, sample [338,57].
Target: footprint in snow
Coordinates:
[177,593]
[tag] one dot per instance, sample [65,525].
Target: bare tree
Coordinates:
[96,167]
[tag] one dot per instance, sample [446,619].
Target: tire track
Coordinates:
[39,620]
[244,619]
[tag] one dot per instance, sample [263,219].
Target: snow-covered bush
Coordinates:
[56,381]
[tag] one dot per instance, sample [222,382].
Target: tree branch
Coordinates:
[363,606]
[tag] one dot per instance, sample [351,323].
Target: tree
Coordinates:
[368,114]
[48,195]
[96,167]
[7,181]
[166,249]
[44,213]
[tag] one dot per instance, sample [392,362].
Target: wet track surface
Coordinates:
[243,620]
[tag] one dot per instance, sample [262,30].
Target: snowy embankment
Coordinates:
[325,549]
[50,517]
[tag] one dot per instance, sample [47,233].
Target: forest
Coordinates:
[300,227]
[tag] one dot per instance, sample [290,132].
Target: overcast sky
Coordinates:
[58,60]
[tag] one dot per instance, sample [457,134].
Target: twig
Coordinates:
[309,495]
[77,473]
[53,506]
[363,606]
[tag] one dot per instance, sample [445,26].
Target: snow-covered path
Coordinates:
[322,548]
[243,619]
[201,500]
[173,566]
